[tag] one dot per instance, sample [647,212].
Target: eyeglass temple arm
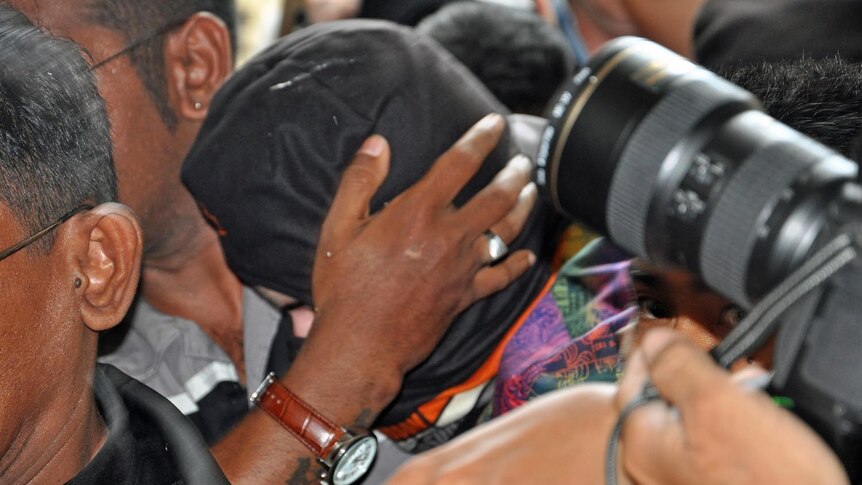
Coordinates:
[23,244]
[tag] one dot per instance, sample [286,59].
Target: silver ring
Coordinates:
[497,249]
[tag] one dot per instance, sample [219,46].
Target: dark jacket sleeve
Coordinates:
[189,450]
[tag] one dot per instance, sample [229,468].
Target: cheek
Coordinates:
[26,330]
[21,306]
[137,135]
[646,324]
[125,100]
[701,335]
[30,309]
[121,105]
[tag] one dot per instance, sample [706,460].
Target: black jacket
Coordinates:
[149,441]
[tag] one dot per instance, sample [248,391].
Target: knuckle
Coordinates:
[499,198]
[673,358]
[360,175]
[421,225]
[506,229]
[505,195]
[491,281]
[472,151]
[451,231]
[511,271]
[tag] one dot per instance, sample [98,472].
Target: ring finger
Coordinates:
[509,226]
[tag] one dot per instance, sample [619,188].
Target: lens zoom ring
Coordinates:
[732,229]
[671,119]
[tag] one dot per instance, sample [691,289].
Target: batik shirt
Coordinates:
[573,334]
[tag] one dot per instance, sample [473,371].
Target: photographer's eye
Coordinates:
[652,308]
[730,316]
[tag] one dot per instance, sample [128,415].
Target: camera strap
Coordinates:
[760,323]
[647,395]
[754,329]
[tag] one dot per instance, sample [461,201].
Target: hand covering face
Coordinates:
[282,129]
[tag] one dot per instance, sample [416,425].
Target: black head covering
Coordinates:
[746,31]
[405,12]
[280,132]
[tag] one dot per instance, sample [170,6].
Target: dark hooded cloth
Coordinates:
[405,12]
[280,132]
[746,31]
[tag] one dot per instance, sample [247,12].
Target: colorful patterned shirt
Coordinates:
[572,334]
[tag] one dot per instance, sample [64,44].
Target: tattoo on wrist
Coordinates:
[304,474]
[364,419]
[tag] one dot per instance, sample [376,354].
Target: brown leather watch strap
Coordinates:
[319,434]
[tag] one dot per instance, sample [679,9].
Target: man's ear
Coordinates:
[198,58]
[109,263]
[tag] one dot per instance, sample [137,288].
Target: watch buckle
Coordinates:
[269,379]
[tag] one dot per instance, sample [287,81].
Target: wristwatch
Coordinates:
[346,454]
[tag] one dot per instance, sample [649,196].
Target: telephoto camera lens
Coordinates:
[682,167]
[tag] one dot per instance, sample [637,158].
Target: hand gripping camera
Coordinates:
[683,168]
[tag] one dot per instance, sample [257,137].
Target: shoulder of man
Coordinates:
[188,450]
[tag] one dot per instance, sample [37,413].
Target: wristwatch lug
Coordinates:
[316,432]
[341,446]
[339,451]
[267,381]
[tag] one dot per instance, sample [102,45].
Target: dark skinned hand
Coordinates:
[395,280]
[386,287]
[719,430]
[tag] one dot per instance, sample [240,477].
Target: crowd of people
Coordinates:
[330,263]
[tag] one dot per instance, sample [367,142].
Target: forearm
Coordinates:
[348,391]
[254,452]
[386,288]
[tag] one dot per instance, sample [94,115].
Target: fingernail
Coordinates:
[531,258]
[490,121]
[373,146]
[521,161]
[528,191]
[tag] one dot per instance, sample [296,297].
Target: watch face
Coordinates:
[355,461]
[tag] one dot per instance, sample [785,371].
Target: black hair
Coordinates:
[55,147]
[138,19]
[521,59]
[821,98]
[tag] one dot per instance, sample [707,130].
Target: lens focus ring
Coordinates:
[733,228]
[672,119]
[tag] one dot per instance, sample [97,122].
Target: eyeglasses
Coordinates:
[139,42]
[41,233]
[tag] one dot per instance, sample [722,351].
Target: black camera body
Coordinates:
[681,167]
